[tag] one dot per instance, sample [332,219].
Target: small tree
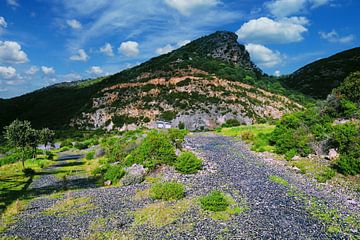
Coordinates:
[46,137]
[20,135]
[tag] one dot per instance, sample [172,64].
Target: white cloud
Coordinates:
[263,56]
[334,37]
[10,52]
[47,70]
[183,42]
[32,70]
[129,48]
[71,77]
[266,30]
[185,7]
[166,49]
[13,3]
[82,56]
[73,23]
[7,72]
[277,73]
[3,23]
[107,49]
[284,8]
[95,70]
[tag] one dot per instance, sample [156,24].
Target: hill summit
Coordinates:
[198,86]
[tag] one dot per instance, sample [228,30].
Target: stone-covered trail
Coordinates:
[280,204]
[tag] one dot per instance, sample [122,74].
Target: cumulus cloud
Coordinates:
[185,7]
[107,49]
[277,73]
[266,30]
[163,50]
[334,37]
[183,42]
[284,8]
[10,52]
[74,24]
[95,70]
[81,56]
[47,70]
[129,48]
[7,72]
[13,3]
[263,56]
[32,70]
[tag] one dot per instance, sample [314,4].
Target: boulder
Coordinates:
[296,158]
[99,152]
[333,154]
[136,169]
[134,174]
[107,183]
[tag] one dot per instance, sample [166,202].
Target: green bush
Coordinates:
[188,163]
[28,172]
[177,136]
[290,154]
[327,174]
[167,191]
[90,155]
[348,165]
[346,137]
[154,150]
[114,173]
[81,145]
[214,201]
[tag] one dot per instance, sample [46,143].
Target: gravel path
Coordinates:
[273,212]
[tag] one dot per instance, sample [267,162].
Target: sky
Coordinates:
[43,42]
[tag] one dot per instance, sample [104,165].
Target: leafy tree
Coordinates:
[20,135]
[46,136]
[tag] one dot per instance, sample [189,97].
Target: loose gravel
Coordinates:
[228,166]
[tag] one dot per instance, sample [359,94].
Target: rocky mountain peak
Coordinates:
[223,45]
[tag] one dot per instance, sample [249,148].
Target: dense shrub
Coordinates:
[350,88]
[348,165]
[188,163]
[154,150]
[114,173]
[346,137]
[214,201]
[28,172]
[177,136]
[81,145]
[167,191]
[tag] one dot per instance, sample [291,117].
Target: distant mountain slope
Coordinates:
[200,84]
[317,79]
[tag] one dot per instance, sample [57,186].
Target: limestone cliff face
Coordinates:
[200,85]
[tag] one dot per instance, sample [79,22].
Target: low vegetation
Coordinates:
[167,191]
[188,163]
[214,201]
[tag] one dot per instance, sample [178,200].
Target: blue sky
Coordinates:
[43,42]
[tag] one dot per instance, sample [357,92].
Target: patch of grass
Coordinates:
[188,163]
[111,235]
[233,209]
[90,155]
[9,215]
[167,191]
[258,135]
[70,206]
[278,180]
[325,175]
[114,173]
[152,179]
[161,213]
[312,168]
[142,194]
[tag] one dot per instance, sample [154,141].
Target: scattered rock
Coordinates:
[131,179]
[296,169]
[107,183]
[99,152]
[333,154]
[352,201]
[296,158]
[136,169]
[177,152]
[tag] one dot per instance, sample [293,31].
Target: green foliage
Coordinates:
[348,164]
[188,163]
[90,155]
[46,136]
[177,136]
[114,173]
[346,137]
[231,123]
[28,172]
[214,201]
[350,88]
[290,154]
[168,115]
[326,175]
[154,150]
[181,125]
[167,191]
[278,180]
